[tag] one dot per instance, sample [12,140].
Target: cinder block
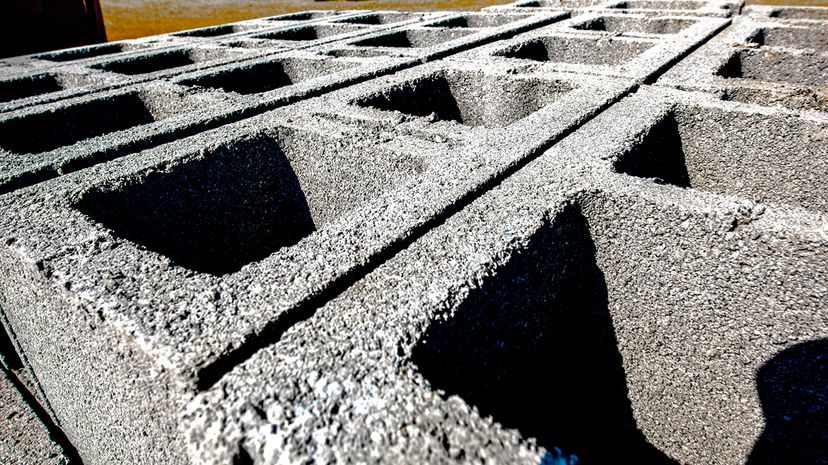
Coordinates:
[159,57]
[239,216]
[163,110]
[634,46]
[715,8]
[24,439]
[573,305]
[395,237]
[762,61]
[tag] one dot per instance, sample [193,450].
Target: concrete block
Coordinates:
[24,439]
[147,114]
[513,236]
[715,8]
[765,61]
[161,267]
[160,57]
[633,46]
[573,309]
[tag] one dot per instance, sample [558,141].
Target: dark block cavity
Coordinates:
[800,68]
[28,86]
[85,52]
[560,3]
[534,347]
[800,13]
[148,63]
[469,98]
[578,50]
[166,60]
[621,25]
[303,16]
[263,77]
[479,20]
[415,38]
[814,38]
[67,125]
[769,159]
[374,19]
[213,214]
[308,33]
[214,31]
[245,200]
[658,155]
[660,5]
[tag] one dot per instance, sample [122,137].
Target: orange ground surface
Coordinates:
[127,19]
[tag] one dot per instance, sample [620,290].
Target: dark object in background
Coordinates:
[793,389]
[30,26]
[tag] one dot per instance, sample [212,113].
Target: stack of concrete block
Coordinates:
[548,230]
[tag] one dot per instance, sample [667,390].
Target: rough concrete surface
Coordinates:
[549,232]
[24,440]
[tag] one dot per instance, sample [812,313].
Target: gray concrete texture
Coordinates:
[548,230]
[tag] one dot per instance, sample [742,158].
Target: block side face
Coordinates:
[25,438]
[113,412]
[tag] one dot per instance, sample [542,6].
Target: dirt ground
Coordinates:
[126,19]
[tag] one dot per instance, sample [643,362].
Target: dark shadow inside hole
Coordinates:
[371,20]
[419,98]
[242,457]
[299,34]
[534,347]
[732,67]
[532,50]
[44,131]
[397,40]
[793,390]
[659,155]
[261,77]
[29,86]
[596,24]
[292,17]
[208,31]
[215,214]
[149,63]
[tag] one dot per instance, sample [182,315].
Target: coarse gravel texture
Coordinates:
[548,232]
[24,439]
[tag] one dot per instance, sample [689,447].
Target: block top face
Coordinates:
[290,203]
[761,61]
[624,45]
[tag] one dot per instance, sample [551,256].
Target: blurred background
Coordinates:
[29,26]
